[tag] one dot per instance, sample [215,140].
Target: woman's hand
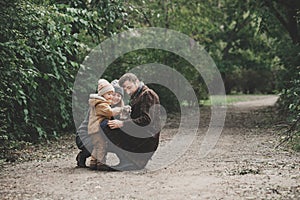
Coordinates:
[113,124]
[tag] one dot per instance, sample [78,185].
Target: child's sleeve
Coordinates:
[104,110]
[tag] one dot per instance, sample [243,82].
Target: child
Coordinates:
[82,132]
[99,111]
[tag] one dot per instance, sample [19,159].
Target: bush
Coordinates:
[41,48]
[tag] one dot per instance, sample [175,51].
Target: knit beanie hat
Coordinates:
[104,86]
[117,87]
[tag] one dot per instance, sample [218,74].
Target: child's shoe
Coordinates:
[93,163]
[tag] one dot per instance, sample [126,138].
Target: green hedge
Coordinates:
[42,47]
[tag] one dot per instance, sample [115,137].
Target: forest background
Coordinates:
[255,45]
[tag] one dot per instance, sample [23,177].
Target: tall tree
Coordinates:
[287,13]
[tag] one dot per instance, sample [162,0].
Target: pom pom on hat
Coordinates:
[104,86]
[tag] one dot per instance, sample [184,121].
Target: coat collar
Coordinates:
[96,96]
[138,91]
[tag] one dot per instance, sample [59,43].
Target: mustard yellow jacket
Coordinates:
[99,110]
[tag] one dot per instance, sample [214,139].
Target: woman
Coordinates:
[117,100]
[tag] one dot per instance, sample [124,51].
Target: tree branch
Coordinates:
[277,14]
[290,23]
[290,133]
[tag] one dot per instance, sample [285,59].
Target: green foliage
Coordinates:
[280,20]
[227,29]
[290,99]
[255,45]
[146,56]
[36,74]
[296,142]
[41,48]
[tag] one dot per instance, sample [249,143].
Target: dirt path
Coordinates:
[243,165]
[256,102]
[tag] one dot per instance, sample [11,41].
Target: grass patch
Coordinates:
[229,99]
